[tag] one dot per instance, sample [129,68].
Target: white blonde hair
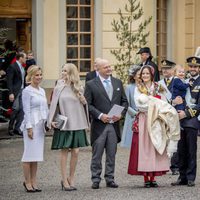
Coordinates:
[32,70]
[73,77]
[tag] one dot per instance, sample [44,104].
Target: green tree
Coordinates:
[129,40]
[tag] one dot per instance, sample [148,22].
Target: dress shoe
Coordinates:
[95,185]
[191,184]
[18,132]
[147,184]
[175,172]
[37,189]
[11,132]
[153,184]
[28,190]
[112,184]
[65,188]
[179,182]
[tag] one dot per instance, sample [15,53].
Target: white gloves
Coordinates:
[171,148]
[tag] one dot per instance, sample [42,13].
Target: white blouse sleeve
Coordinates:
[26,101]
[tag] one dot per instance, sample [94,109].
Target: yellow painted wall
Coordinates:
[51,39]
[109,12]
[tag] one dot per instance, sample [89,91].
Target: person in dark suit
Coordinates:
[187,146]
[101,94]
[167,68]
[146,58]
[15,84]
[93,74]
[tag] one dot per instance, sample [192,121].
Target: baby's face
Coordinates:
[180,73]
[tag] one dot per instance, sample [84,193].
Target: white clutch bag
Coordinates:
[61,121]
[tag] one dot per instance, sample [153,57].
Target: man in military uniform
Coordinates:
[187,147]
[167,68]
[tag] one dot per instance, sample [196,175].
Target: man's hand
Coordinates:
[30,133]
[181,114]
[11,97]
[178,100]
[105,118]
[116,118]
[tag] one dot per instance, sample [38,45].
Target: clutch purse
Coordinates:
[61,121]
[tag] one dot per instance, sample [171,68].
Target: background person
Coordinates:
[68,101]
[146,58]
[35,115]
[134,79]
[15,83]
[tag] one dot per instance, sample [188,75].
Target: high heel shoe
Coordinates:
[71,186]
[37,189]
[28,190]
[65,188]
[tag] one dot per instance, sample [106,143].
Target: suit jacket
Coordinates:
[192,112]
[99,102]
[14,79]
[90,75]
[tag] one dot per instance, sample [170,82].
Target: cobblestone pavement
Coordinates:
[131,187]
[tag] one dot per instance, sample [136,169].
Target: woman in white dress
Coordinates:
[35,114]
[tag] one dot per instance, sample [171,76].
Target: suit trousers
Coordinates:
[17,115]
[187,152]
[107,140]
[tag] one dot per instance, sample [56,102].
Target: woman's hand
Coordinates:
[82,99]
[53,124]
[30,133]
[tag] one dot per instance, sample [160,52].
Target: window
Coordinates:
[80,33]
[161,30]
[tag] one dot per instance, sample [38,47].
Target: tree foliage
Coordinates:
[129,40]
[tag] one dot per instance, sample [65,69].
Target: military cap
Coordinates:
[193,61]
[167,64]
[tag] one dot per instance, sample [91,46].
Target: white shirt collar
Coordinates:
[195,77]
[102,79]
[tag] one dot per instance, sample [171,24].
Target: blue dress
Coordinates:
[130,116]
[179,88]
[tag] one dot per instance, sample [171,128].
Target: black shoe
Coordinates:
[147,184]
[112,184]
[95,185]
[28,190]
[191,184]
[37,189]
[179,182]
[153,184]
[11,132]
[175,172]
[18,132]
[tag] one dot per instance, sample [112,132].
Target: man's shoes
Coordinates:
[179,182]
[18,132]
[175,172]
[191,184]
[112,184]
[95,185]
[11,132]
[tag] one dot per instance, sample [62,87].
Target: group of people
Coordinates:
[160,119]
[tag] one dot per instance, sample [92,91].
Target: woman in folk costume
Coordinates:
[156,131]
[68,101]
[35,109]
[134,77]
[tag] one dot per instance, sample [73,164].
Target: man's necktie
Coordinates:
[108,88]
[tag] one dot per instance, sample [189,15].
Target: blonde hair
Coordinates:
[178,67]
[32,70]
[73,77]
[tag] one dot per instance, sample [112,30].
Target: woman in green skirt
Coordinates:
[68,116]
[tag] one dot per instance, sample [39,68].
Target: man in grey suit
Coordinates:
[101,94]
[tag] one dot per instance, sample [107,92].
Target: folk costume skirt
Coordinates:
[144,159]
[69,139]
